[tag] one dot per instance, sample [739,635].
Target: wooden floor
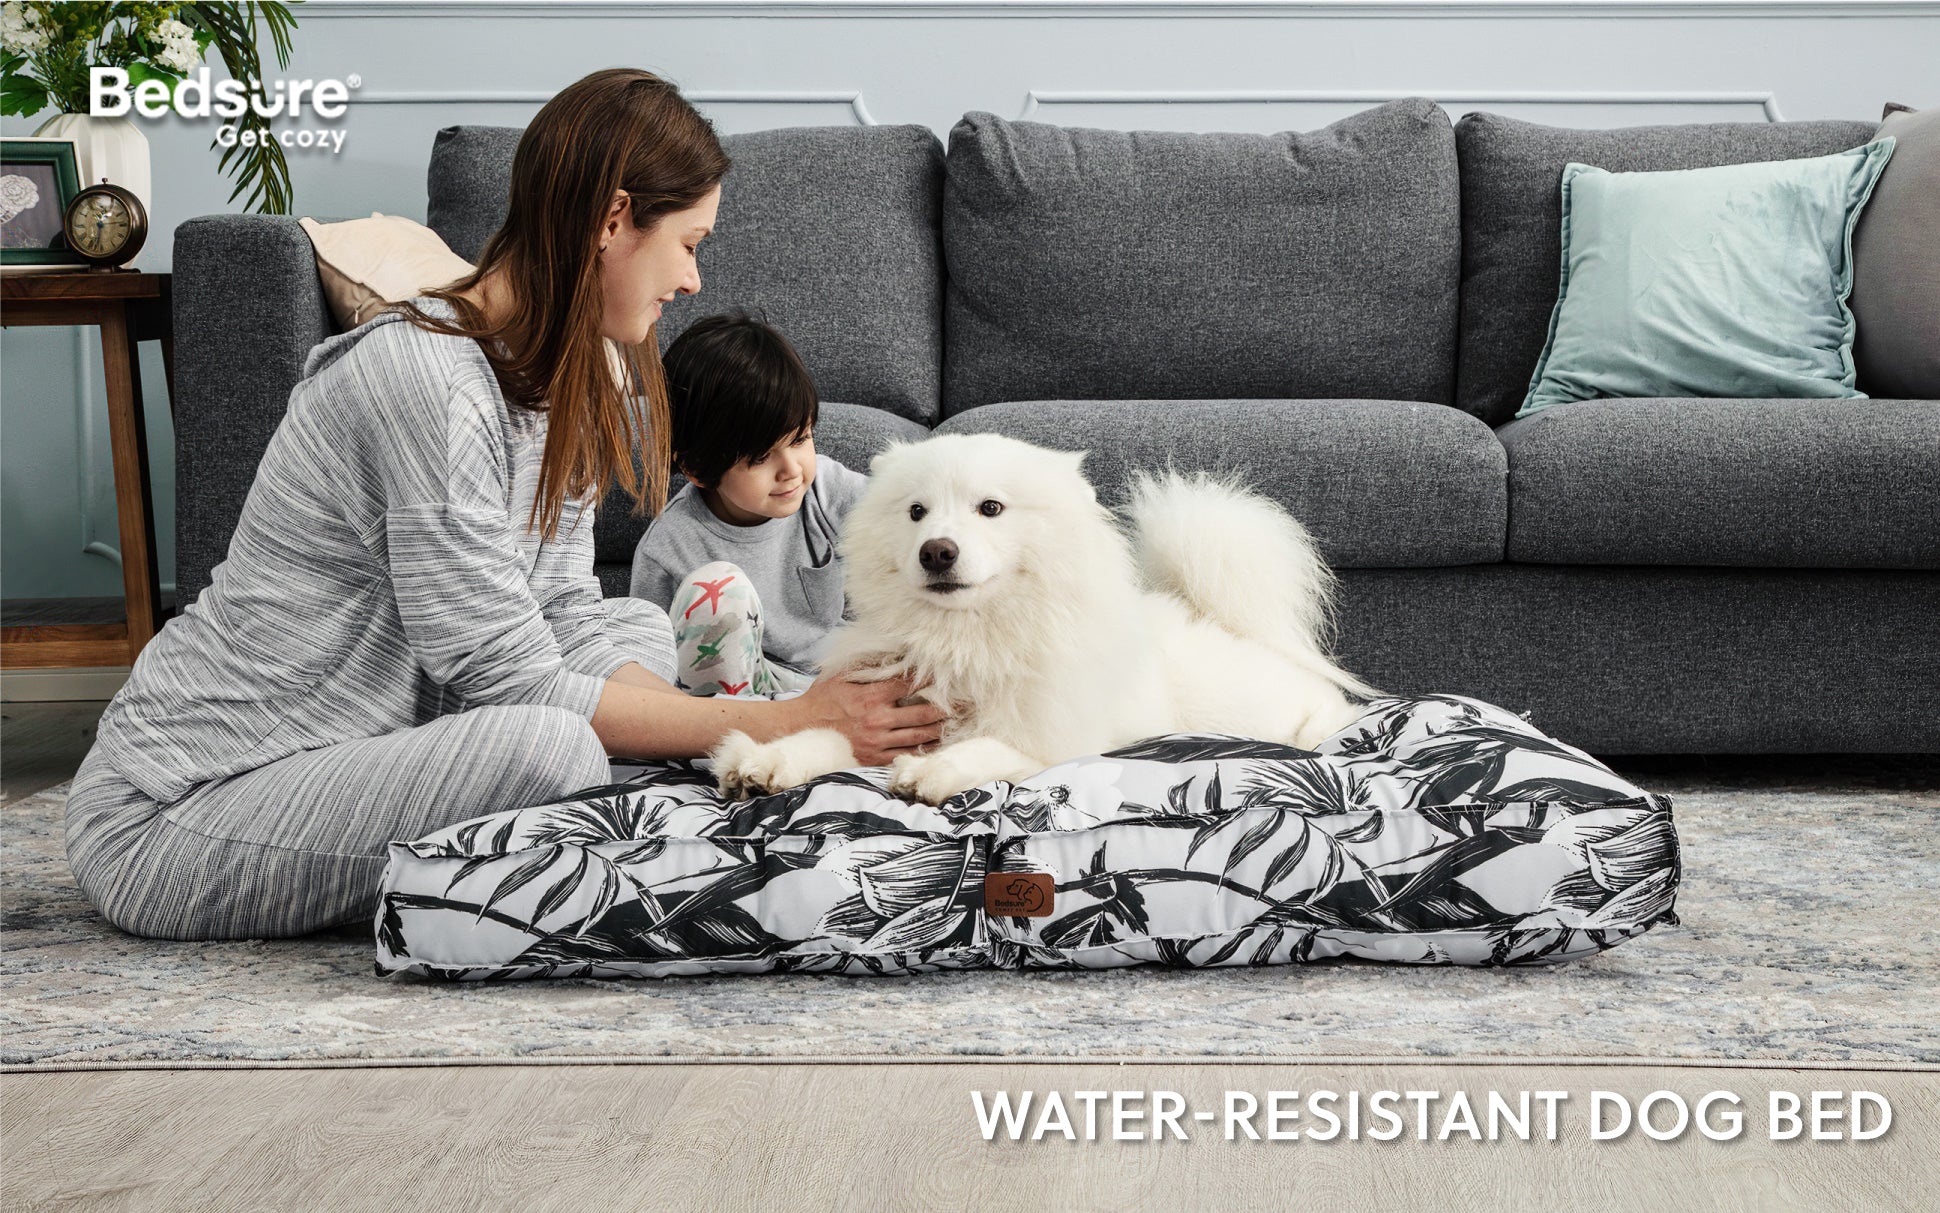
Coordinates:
[790,1137]
[862,1137]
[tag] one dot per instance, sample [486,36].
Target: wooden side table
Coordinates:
[128,307]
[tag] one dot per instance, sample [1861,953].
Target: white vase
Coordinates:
[113,148]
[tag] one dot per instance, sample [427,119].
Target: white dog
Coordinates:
[987,567]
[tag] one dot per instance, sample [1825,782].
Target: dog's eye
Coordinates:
[916,512]
[990,509]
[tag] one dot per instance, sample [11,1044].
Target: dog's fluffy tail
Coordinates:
[1240,561]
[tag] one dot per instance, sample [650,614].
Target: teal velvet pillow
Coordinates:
[1728,281]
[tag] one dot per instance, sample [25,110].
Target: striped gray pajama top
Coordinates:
[380,576]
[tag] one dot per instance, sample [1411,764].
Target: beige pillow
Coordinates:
[367,263]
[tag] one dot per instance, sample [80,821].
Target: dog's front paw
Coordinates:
[744,767]
[930,778]
[1325,721]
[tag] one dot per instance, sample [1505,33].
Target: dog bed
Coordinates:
[1435,829]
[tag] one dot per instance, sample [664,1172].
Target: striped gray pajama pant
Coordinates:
[298,845]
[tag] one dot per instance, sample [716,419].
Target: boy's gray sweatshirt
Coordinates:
[791,561]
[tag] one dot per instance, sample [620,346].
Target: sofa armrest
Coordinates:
[248,307]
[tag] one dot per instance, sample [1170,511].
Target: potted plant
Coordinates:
[48,49]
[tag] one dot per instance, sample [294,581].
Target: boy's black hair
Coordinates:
[735,388]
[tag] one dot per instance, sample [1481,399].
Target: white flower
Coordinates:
[19,30]
[181,56]
[179,51]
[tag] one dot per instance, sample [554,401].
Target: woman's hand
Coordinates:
[641,716]
[866,713]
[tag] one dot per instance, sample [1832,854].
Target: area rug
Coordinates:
[1810,936]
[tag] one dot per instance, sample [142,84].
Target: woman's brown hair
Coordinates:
[617,129]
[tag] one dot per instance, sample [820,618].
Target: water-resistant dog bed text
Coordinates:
[1436,829]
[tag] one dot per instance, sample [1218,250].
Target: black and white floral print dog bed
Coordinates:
[1435,829]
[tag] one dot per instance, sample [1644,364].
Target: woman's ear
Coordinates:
[618,212]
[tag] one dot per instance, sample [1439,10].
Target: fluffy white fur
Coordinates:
[1055,634]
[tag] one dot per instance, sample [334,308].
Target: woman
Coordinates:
[407,630]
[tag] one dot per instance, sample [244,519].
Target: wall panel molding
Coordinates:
[1192,9]
[87,347]
[55,686]
[850,100]
[1034,103]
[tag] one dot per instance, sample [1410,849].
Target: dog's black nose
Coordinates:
[938,555]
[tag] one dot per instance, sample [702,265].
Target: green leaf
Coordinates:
[231,30]
[138,72]
[21,98]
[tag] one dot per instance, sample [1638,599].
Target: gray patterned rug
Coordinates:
[1811,934]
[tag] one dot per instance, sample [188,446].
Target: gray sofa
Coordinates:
[1350,316]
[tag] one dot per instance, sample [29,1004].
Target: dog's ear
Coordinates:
[1076,459]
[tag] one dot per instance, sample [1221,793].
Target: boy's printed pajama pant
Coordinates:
[717,637]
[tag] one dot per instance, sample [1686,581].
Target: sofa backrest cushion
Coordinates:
[830,233]
[1896,255]
[1512,174]
[1102,264]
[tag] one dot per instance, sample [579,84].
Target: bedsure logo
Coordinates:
[1019,894]
[195,96]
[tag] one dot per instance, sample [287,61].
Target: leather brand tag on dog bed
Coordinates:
[1018,894]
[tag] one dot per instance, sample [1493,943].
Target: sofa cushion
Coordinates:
[1660,659]
[847,433]
[1097,264]
[1511,178]
[831,232]
[1380,483]
[1772,483]
[1896,263]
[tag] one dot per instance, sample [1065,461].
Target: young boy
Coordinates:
[743,557]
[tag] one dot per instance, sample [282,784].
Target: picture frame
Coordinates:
[38,178]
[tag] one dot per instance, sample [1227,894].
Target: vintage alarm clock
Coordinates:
[106,225]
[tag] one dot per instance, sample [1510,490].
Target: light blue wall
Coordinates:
[1261,66]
